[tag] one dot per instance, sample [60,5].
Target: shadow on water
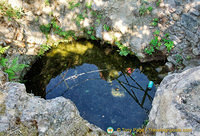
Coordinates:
[108,89]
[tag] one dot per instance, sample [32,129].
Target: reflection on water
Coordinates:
[108,90]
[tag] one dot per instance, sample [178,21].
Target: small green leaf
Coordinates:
[157,32]
[150,8]
[89,32]
[92,37]
[155,19]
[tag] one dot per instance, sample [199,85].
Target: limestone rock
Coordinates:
[169,66]
[22,113]
[175,17]
[176,104]
[196,51]
[189,22]
[3,79]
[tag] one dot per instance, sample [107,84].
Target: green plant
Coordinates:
[90,33]
[89,5]
[85,13]
[188,57]
[43,49]
[179,58]
[3,49]
[142,10]
[157,32]
[167,42]
[79,18]
[12,68]
[73,5]
[158,3]
[150,8]
[98,20]
[145,123]
[47,2]
[7,10]
[93,13]
[106,27]
[149,50]
[133,134]
[36,18]
[157,42]
[124,51]
[57,30]
[154,22]
[45,28]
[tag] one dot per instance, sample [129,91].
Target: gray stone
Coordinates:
[169,66]
[196,51]
[3,78]
[175,38]
[189,22]
[99,30]
[191,36]
[176,104]
[172,60]
[195,12]
[198,31]
[175,17]
[58,116]
[162,48]
[180,35]
[197,6]
[179,10]
[198,46]
[161,76]
[159,69]
[178,2]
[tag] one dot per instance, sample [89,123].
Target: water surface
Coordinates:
[108,89]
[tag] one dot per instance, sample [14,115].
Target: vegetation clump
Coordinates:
[157,42]
[7,10]
[73,5]
[158,3]
[124,51]
[106,27]
[155,22]
[10,67]
[143,9]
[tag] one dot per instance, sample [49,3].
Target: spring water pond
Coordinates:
[108,89]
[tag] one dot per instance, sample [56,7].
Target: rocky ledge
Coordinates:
[176,105]
[24,114]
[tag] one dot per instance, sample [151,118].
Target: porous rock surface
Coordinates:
[176,104]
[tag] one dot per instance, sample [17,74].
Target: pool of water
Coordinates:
[108,89]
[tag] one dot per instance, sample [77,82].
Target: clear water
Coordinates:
[108,90]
